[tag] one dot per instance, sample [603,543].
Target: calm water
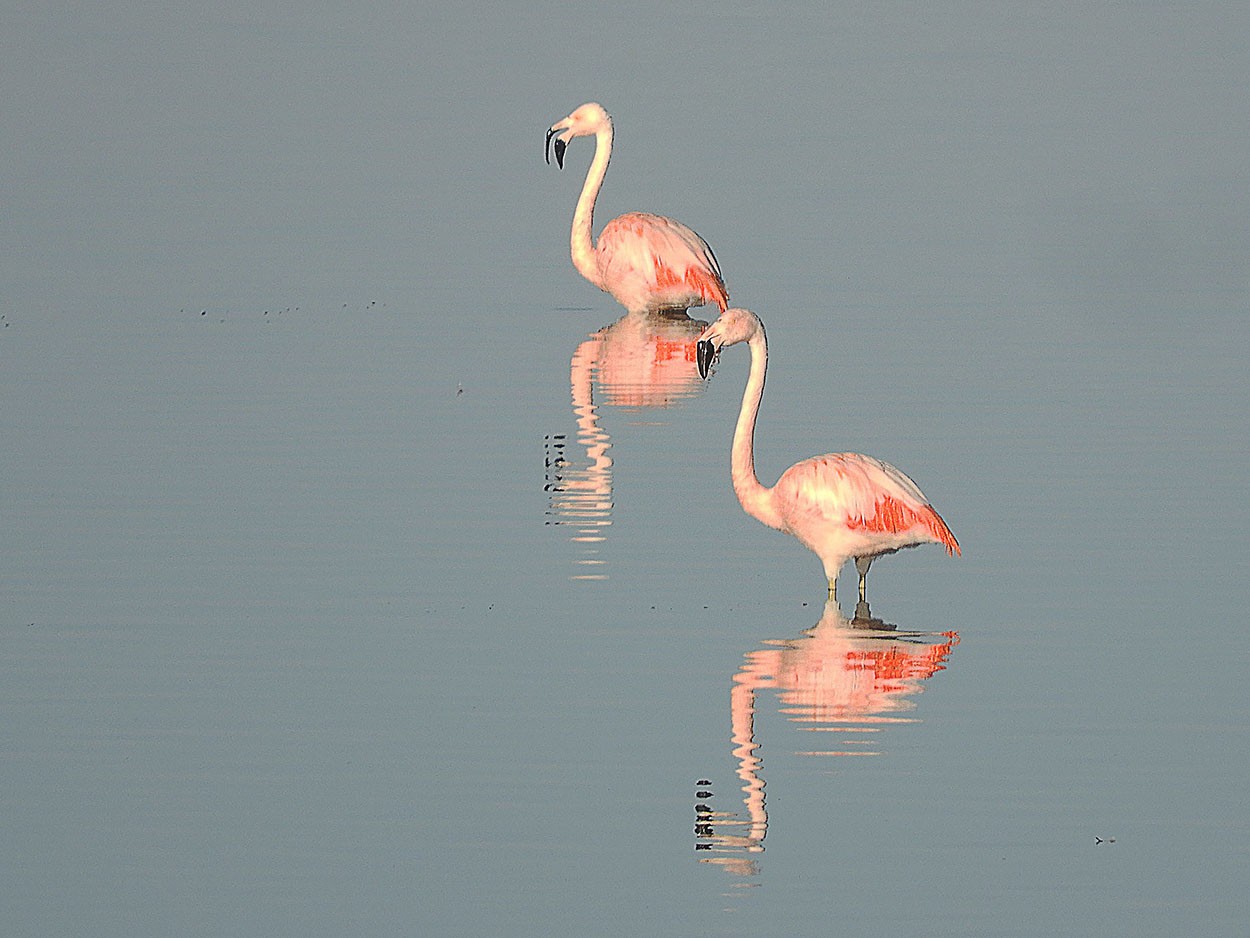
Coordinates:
[364,573]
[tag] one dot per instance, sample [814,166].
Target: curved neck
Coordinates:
[580,243]
[755,498]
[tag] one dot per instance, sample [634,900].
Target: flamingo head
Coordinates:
[586,121]
[731,327]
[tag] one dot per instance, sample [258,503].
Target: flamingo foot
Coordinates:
[864,619]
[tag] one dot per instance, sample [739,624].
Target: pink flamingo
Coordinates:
[840,505]
[647,262]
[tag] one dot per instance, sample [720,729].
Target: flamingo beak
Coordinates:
[560,147]
[705,352]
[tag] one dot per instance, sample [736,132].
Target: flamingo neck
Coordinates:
[756,499]
[580,243]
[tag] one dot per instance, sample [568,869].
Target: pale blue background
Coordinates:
[289,647]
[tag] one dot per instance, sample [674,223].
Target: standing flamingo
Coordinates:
[840,505]
[647,262]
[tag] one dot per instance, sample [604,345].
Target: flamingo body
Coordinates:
[646,262]
[844,505]
[840,505]
[649,262]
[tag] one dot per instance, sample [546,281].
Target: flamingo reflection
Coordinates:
[848,678]
[641,361]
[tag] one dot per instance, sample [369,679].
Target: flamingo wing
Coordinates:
[865,494]
[661,260]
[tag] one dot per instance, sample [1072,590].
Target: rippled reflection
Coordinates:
[640,361]
[848,680]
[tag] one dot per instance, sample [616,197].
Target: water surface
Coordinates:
[365,574]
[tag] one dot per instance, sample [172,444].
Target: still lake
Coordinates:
[366,573]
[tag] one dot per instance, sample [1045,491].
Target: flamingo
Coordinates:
[647,262]
[841,505]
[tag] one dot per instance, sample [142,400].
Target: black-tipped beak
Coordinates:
[560,147]
[705,352]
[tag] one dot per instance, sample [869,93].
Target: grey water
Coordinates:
[364,572]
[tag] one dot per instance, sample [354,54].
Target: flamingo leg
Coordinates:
[862,564]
